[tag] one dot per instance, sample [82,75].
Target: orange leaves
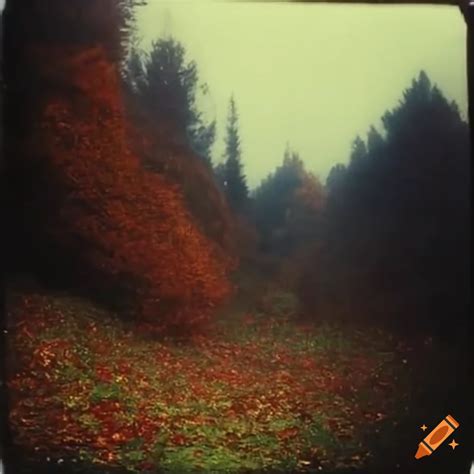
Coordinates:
[127,229]
[216,392]
[104,374]
[308,363]
[178,440]
[104,409]
[288,433]
[101,442]
[119,437]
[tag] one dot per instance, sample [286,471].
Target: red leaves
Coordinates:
[178,440]
[104,374]
[288,433]
[179,396]
[130,229]
[308,363]
[105,409]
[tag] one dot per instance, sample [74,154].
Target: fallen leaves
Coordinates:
[137,403]
[288,433]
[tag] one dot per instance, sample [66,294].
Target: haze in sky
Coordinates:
[311,75]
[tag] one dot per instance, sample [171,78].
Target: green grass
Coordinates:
[102,392]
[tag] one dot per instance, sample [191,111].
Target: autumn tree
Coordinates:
[91,216]
[161,151]
[234,181]
[157,138]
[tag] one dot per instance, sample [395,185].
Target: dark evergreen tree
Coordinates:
[375,142]
[284,200]
[166,86]
[235,183]
[170,84]
[398,216]
[359,151]
[335,178]
[220,175]
[133,72]
[202,138]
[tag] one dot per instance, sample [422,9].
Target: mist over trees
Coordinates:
[164,316]
[389,225]
[397,228]
[287,206]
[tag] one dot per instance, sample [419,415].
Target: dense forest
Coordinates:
[165,315]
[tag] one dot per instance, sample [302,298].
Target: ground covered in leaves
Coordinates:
[257,393]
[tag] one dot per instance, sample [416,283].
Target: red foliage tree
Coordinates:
[162,151]
[128,229]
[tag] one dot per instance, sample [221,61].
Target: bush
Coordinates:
[162,152]
[96,214]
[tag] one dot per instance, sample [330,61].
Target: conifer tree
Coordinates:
[166,85]
[235,184]
[397,217]
[359,151]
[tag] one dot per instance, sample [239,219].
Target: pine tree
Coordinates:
[133,72]
[234,179]
[375,142]
[335,178]
[397,225]
[166,86]
[220,175]
[359,151]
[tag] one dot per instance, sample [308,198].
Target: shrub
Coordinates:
[162,152]
[97,214]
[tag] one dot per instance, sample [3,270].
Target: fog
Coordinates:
[313,75]
[162,318]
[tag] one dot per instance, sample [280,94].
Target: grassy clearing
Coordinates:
[257,393]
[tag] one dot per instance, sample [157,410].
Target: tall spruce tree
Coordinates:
[235,183]
[166,84]
[359,151]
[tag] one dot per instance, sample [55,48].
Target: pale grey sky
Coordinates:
[313,75]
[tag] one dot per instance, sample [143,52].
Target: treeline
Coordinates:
[387,238]
[114,189]
[166,86]
[395,245]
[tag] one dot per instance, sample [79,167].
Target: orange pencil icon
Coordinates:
[437,437]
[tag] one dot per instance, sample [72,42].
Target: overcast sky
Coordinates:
[313,75]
